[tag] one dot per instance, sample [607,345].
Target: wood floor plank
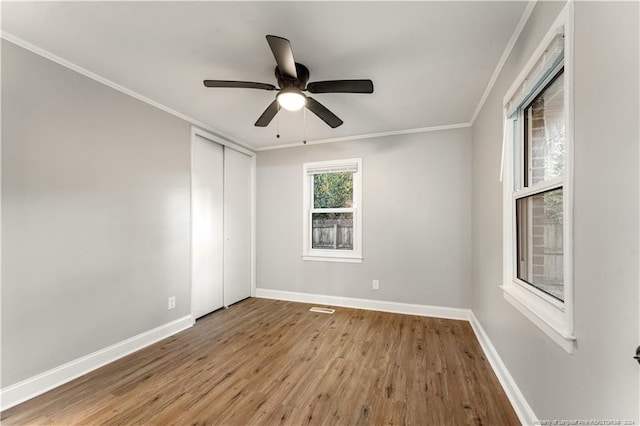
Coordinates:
[266,362]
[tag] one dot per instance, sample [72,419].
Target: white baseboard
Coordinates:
[519,403]
[34,386]
[368,304]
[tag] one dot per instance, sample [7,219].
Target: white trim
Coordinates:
[36,385]
[320,255]
[253,224]
[551,57]
[553,31]
[220,134]
[334,168]
[520,405]
[503,59]
[539,188]
[554,319]
[65,63]
[337,258]
[546,298]
[1,259]
[505,128]
[567,190]
[565,341]
[195,131]
[339,164]
[367,304]
[368,136]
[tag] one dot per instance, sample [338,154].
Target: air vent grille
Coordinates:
[322,310]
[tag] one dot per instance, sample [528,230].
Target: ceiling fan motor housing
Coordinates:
[299,83]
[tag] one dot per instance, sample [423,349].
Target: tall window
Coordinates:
[332,211]
[539,199]
[538,278]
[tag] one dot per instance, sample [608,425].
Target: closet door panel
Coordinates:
[207,197]
[237,226]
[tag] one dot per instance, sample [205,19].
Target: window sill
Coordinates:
[547,318]
[339,259]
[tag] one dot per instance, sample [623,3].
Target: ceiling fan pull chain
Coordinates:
[304,126]
[278,123]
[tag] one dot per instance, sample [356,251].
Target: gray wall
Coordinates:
[95,220]
[95,215]
[416,220]
[594,382]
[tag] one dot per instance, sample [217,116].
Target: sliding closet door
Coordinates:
[207,189]
[237,226]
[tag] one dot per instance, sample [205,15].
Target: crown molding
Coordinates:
[503,59]
[70,65]
[367,136]
[65,63]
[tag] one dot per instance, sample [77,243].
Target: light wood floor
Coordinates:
[265,362]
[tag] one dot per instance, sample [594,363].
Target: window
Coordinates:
[332,211]
[539,200]
[537,188]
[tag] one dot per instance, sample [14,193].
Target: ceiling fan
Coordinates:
[292,80]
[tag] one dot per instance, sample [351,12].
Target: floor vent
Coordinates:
[322,310]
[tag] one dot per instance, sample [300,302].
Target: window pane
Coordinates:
[333,190]
[333,231]
[540,245]
[544,134]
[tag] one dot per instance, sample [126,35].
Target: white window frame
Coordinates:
[324,255]
[552,316]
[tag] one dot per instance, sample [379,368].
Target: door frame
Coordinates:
[198,132]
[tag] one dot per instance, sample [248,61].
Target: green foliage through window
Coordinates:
[332,190]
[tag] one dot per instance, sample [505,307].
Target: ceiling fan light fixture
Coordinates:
[291,100]
[292,80]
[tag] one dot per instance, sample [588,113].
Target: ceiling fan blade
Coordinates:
[341,86]
[281,48]
[323,113]
[239,84]
[268,114]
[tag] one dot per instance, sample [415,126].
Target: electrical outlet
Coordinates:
[376,285]
[172,302]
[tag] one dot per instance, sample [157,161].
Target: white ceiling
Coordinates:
[430,61]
